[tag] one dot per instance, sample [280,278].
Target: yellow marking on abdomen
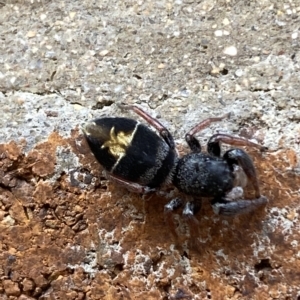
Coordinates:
[118,143]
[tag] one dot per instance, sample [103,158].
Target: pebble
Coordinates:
[231,51]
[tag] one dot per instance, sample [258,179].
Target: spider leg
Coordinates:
[131,186]
[190,138]
[163,131]
[189,211]
[240,157]
[214,143]
[222,206]
[170,207]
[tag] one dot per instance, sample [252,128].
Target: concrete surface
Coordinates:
[67,232]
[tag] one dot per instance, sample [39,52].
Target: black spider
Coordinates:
[139,159]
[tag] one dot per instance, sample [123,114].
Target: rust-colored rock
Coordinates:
[11,288]
[108,243]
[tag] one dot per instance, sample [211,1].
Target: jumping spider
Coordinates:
[139,159]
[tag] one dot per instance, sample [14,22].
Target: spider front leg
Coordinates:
[236,156]
[163,131]
[190,138]
[222,205]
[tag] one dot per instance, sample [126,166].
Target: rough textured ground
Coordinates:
[68,233]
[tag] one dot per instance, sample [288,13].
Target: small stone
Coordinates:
[221,33]
[218,33]
[34,50]
[40,281]
[103,52]
[50,54]
[238,88]
[72,14]
[292,215]
[256,59]
[239,72]
[222,66]
[226,21]
[77,106]
[11,288]
[28,285]
[31,34]
[231,51]
[161,66]
[215,70]
[8,220]
[294,35]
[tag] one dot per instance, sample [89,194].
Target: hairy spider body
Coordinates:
[199,174]
[141,160]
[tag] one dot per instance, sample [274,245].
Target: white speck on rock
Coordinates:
[219,33]
[231,51]
[103,52]
[239,72]
[226,21]
[294,35]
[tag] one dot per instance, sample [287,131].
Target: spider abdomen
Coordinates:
[130,150]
